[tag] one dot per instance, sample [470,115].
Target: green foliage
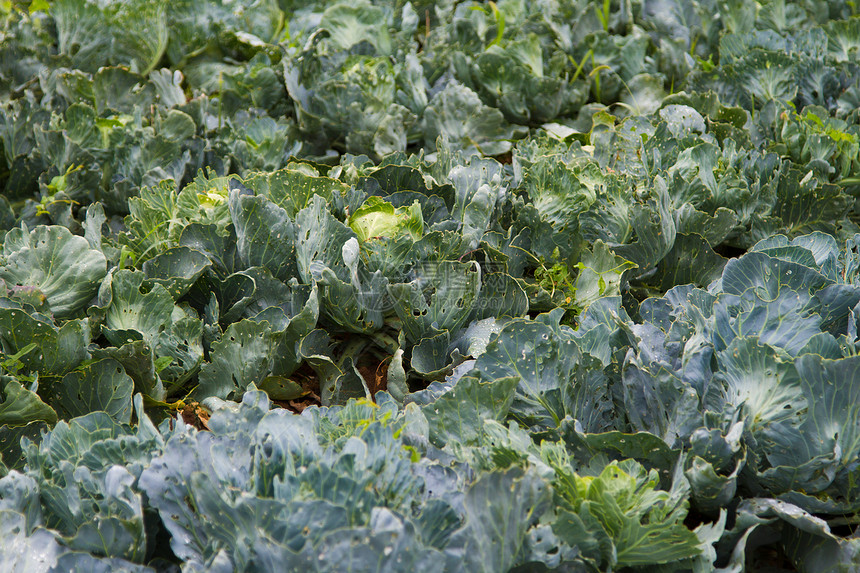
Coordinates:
[556,286]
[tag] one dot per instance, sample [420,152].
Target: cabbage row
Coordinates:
[399,286]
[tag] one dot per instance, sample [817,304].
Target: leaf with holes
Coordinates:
[98,386]
[243,356]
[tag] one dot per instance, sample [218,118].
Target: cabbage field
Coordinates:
[410,286]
